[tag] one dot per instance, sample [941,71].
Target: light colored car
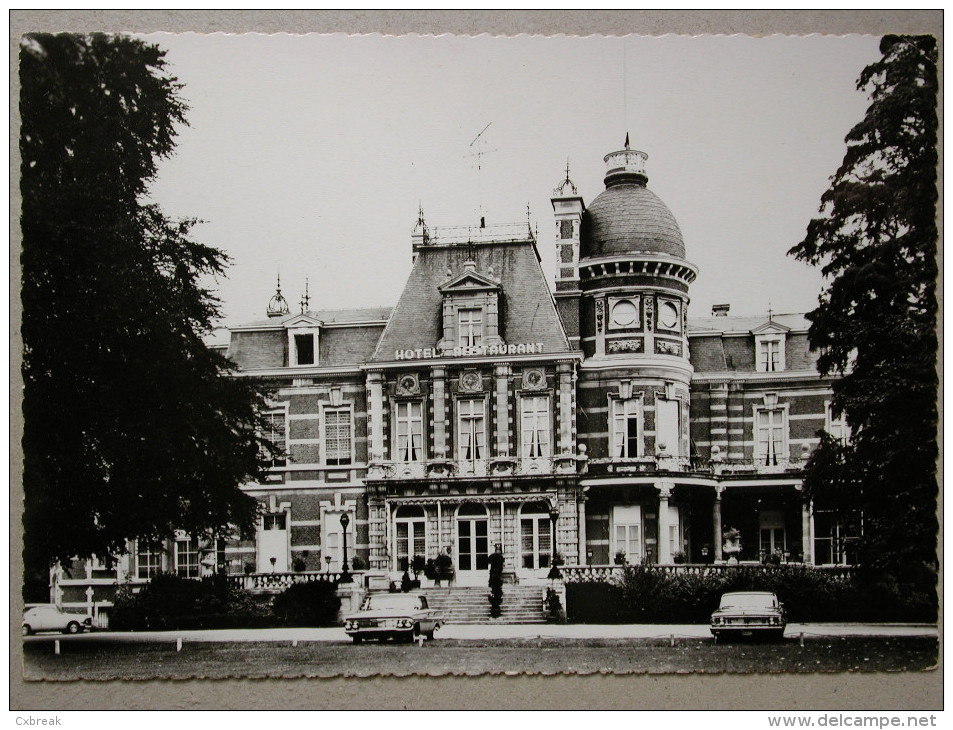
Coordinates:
[749,613]
[52,618]
[392,615]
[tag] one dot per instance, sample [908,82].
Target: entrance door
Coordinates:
[473,544]
[273,543]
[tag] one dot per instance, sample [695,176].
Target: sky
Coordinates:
[310,155]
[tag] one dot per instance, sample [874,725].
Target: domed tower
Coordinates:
[633,388]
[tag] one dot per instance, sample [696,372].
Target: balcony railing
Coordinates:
[494,466]
[758,466]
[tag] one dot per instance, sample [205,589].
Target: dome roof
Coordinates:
[628,218]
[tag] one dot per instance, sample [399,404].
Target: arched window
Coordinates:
[535,535]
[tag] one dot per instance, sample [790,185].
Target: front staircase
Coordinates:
[471,604]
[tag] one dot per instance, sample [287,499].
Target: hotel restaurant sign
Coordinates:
[425,353]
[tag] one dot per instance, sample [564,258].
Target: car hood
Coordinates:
[385,613]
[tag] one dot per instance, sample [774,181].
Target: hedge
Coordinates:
[649,594]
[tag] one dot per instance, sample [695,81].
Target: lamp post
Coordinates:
[554,573]
[345,574]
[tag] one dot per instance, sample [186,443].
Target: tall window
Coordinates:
[187,558]
[304,349]
[535,426]
[148,560]
[411,538]
[771,525]
[626,441]
[410,431]
[667,427]
[770,427]
[471,327]
[770,354]
[535,536]
[627,532]
[472,430]
[837,427]
[337,435]
[275,433]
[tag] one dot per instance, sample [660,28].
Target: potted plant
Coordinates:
[731,538]
[679,557]
[298,565]
[358,563]
[444,567]
[620,558]
[418,564]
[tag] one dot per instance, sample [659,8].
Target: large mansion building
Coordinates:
[486,408]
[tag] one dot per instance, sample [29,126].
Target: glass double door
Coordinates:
[473,545]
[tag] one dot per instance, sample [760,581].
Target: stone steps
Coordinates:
[471,604]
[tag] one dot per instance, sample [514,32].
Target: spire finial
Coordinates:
[627,140]
[277,307]
[305,299]
[560,189]
[770,312]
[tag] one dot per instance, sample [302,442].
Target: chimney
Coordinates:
[720,310]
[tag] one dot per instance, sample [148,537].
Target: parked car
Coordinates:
[749,613]
[392,615]
[52,618]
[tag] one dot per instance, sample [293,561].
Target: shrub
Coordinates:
[308,604]
[554,607]
[171,602]
[496,562]
[418,564]
[650,594]
[595,602]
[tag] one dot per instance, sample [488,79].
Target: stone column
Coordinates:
[502,410]
[716,523]
[375,382]
[564,370]
[807,531]
[581,528]
[664,551]
[438,374]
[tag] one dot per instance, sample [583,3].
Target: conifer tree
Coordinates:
[875,323]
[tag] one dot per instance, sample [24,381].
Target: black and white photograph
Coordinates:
[366,355]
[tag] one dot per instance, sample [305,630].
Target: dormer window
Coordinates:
[470,327]
[769,347]
[770,353]
[304,349]
[471,311]
[303,343]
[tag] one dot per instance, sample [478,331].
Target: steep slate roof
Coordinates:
[738,325]
[328,316]
[527,310]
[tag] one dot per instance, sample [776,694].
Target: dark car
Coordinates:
[749,613]
[392,615]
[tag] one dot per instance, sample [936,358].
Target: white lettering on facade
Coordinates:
[524,348]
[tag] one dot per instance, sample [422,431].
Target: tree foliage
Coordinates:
[875,322]
[133,428]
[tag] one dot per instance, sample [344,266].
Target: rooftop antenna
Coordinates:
[305,299]
[770,312]
[478,144]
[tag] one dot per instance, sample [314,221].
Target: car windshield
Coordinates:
[391,602]
[748,600]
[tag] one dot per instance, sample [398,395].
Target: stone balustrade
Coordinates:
[277,582]
[613,573]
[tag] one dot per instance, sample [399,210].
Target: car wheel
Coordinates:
[73,628]
[27,630]
[779,635]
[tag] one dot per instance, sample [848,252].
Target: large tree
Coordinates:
[875,324]
[133,428]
